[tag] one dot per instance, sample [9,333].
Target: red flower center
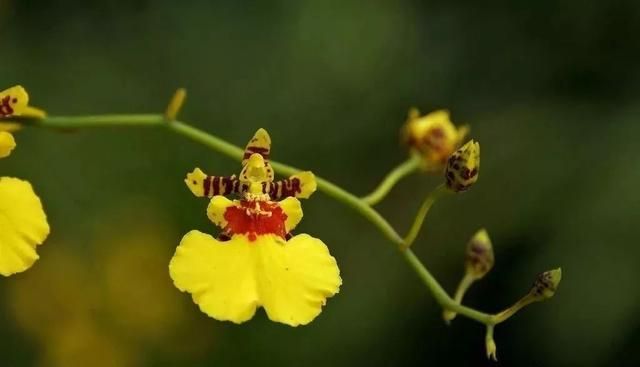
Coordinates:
[254,218]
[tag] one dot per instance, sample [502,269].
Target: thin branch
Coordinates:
[402,170]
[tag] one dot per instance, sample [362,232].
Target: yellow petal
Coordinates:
[219,275]
[10,126]
[434,136]
[33,112]
[216,209]
[13,101]
[463,131]
[308,184]
[7,143]
[294,278]
[195,182]
[292,208]
[260,144]
[23,225]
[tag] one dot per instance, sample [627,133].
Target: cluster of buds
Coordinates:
[437,141]
[479,260]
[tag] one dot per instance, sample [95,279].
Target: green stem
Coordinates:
[504,315]
[206,139]
[422,214]
[325,186]
[404,169]
[440,294]
[463,286]
[76,122]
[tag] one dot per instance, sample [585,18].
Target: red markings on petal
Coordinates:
[264,152]
[254,218]
[5,106]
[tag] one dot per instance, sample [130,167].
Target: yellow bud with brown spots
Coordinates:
[545,285]
[479,258]
[463,167]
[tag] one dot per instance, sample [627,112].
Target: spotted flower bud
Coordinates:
[546,285]
[479,258]
[463,166]
[478,261]
[433,136]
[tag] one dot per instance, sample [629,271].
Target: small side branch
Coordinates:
[391,179]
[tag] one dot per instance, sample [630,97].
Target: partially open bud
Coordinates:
[546,285]
[463,166]
[479,258]
[433,136]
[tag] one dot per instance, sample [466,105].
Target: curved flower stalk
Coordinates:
[23,223]
[256,260]
[256,229]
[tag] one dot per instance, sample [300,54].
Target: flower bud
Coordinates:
[479,258]
[543,288]
[463,166]
[433,136]
[546,285]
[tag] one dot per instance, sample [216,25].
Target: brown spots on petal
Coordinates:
[6,110]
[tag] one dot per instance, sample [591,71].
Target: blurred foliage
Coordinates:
[550,89]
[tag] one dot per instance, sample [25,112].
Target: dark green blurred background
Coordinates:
[550,88]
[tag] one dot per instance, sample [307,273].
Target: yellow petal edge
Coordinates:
[7,144]
[229,280]
[23,225]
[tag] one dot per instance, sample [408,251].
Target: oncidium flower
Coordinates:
[433,136]
[255,261]
[463,166]
[23,223]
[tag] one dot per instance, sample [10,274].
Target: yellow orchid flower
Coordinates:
[433,136]
[255,261]
[23,223]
